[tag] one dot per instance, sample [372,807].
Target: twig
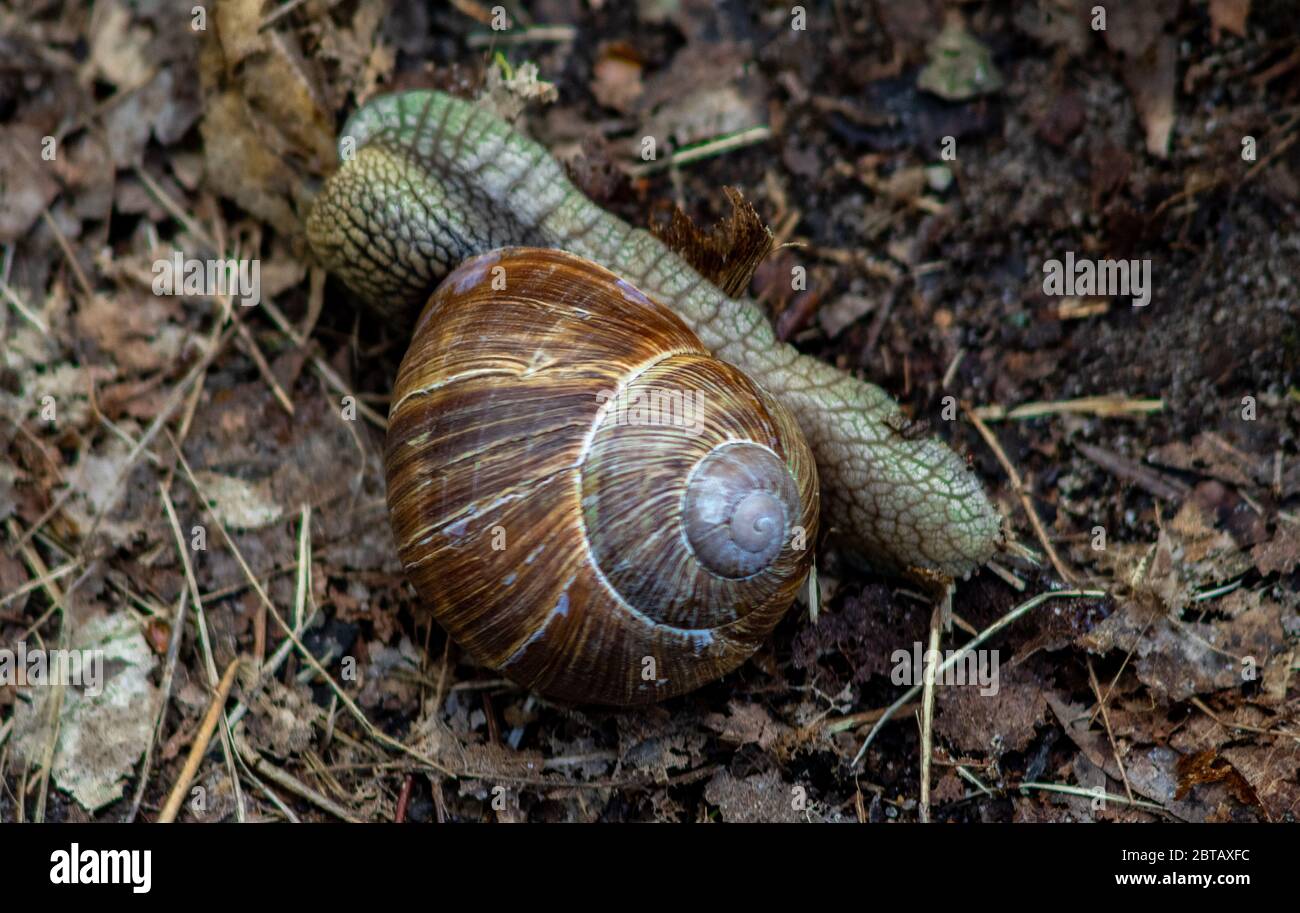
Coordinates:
[1110,733]
[532,34]
[322,367]
[971,778]
[277,14]
[200,745]
[54,702]
[205,643]
[1122,666]
[1244,727]
[299,618]
[263,368]
[937,621]
[404,799]
[265,790]
[708,149]
[1156,483]
[175,210]
[1019,488]
[1091,794]
[61,571]
[260,765]
[951,372]
[23,311]
[62,240]
[1012,580]
[1103,406]
[169,673]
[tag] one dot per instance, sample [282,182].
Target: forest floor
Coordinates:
[921,161]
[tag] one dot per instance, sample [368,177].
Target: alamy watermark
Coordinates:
[976,668]
[240,280]
[661,406]
[38,668]
[1085,278]
[127,867]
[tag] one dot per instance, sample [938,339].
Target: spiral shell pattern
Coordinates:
[588,500]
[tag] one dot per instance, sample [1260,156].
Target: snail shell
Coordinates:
[588,540]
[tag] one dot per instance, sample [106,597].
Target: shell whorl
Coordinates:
[577,486]
[739,505]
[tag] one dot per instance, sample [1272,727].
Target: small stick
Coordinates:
[694,153]
[1019,487]
[205,642]
[532,34]
[54,702]
[971,778]
[169,674]
[322,367]
[404,799]
[23,311]
[260,765]
[62,240]
[1110,733]
[1103,406]
[927,701]
[1091,794]
[1244,727]
[200,746]
[1011,579]
[264,368]
[949,374]
[61,571]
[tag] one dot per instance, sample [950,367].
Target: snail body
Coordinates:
[589,557]
[429,181]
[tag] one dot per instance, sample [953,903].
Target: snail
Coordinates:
[429,182]
[592,550]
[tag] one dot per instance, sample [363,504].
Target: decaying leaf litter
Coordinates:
[1173,697]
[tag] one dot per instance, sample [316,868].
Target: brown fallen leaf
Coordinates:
[992,723]
[27,183]
[1273,774]
[119,46]
[729,252]
[616,77]
[762,798]
[1149,65]
[1208,767]
[1213,455]
[748,724]
[1228,16]
[1180,659]
[1280,554]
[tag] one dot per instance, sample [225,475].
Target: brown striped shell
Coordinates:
[587,499]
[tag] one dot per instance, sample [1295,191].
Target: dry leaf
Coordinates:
[1149,65]
[616,79]
[1228,16]
[238,503]
[729,252]
[760,798]
[101,735]
[27,184]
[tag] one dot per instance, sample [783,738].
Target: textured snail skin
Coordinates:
[548,534]
[435,180]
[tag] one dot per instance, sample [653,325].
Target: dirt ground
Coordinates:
[922,161]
